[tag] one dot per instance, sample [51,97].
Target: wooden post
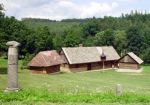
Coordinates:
[103,65]
[118,89]
[12,66]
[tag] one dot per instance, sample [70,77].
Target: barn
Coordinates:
[88,58]
[46,62]
[130,61]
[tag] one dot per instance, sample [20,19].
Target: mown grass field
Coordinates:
[83,88]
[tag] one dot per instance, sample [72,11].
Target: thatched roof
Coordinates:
[45,59]
[76,55]
[135,57]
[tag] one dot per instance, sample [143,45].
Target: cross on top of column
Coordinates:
[13,43]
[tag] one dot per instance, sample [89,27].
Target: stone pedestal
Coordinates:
[12,66]
[118,89]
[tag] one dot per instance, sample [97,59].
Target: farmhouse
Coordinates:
[46,62]
[130,61]
[89,58]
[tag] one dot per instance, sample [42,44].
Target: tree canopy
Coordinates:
[130,32]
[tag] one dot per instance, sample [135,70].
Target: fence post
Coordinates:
[118,89]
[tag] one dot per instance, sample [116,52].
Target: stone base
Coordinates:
[130,70]
[11,90]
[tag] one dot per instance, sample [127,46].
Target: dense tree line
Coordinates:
[129,32]
[37,20]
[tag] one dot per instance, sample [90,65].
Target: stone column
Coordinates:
[12,66]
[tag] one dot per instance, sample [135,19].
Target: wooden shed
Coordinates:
[88,58]
[130,61]
[46,62]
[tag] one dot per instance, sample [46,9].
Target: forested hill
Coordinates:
[130,32]
[53,25]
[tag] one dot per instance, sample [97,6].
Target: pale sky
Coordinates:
[62,9]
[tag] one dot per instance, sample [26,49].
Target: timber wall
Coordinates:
[128,63]
[88,66]
[128,66]
[45,70]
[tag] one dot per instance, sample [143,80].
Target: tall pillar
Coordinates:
[12,66]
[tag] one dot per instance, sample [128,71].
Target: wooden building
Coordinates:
[46,62]
[88,58]
[130,61]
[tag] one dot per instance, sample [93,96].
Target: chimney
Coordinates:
[80,45]
[103,59]
[103,56]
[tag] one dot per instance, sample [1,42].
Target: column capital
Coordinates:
[13,44]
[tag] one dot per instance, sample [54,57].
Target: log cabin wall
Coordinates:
[108,64]
[128,66]
[45,70]
[38,70]
[128,63]
[97,65]
[78,67]
[88,66]
[52,69]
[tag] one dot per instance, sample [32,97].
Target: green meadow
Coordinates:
[82,88]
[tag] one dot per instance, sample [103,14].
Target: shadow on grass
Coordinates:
[3,70]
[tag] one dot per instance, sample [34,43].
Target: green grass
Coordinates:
[77,88]
[45,96]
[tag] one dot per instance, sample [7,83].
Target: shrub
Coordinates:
[26,60]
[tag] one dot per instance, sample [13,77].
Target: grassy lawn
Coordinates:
[94,82]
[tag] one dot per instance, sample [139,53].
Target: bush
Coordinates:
[26,60]
[146,56]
